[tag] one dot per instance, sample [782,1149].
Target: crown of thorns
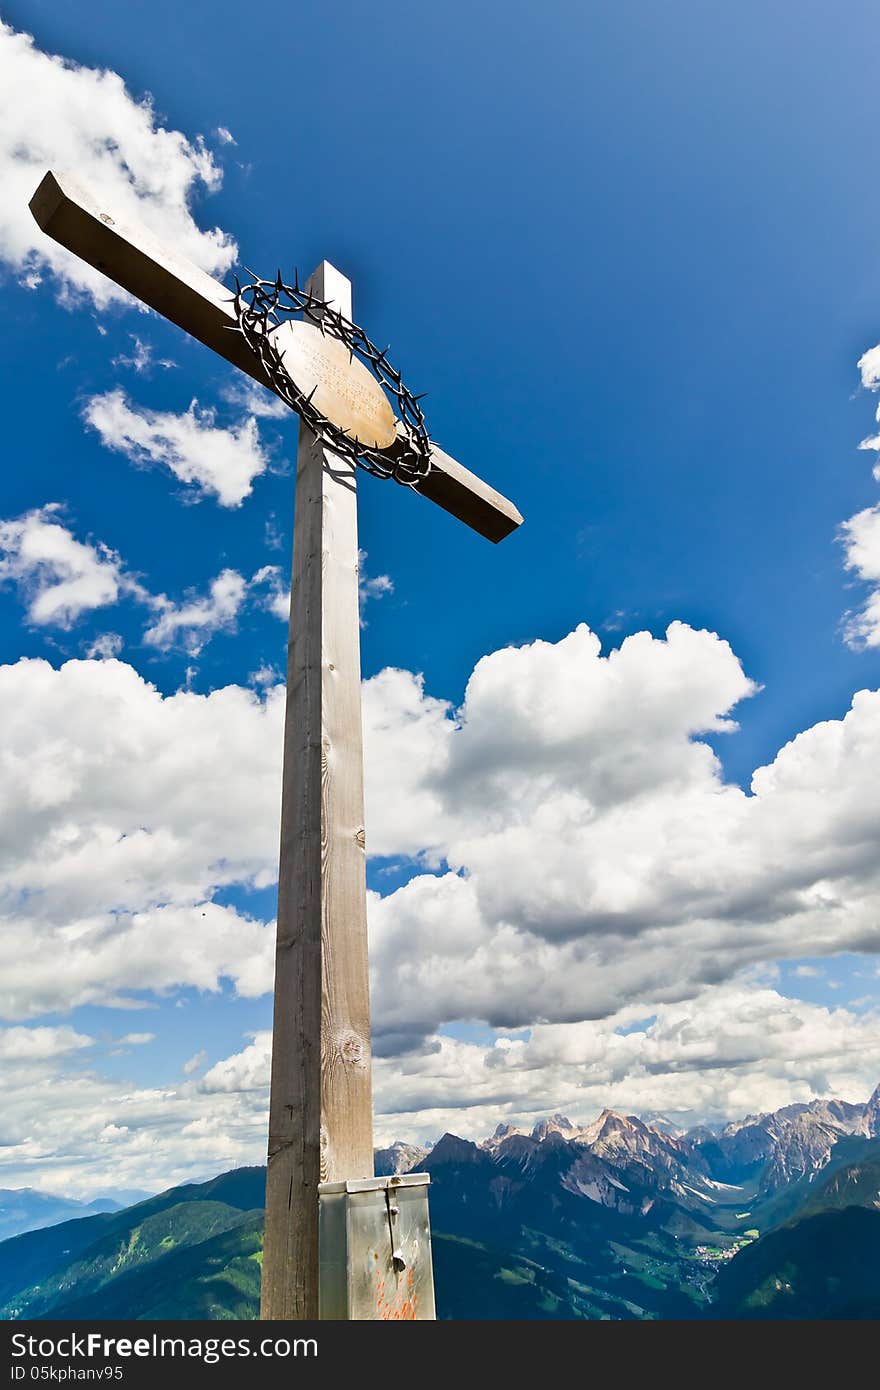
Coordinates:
[262,305]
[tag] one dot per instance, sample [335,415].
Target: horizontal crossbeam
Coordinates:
[169,283]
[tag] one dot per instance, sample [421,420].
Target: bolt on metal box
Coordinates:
[375,1249]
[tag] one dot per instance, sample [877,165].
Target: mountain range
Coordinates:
[26,1209]
[776,1215]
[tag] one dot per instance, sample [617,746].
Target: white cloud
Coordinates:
[121,812]
[192,623]
[371,586]
[265,676]
[105,646]
[595,874]
[730,1051]
[861,535]
[99,1134]
[277,598]
[273,536]
[869,368]
[407,736]
[225,136]
[861,540]
[278,602]
[596,853]
[255,399]
[141,359]
[593,868]
[58,576]
[23,1045]
[213,461]
[59,114]
[247,1070]
[192,1064]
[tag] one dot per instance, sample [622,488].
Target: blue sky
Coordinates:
[628,252]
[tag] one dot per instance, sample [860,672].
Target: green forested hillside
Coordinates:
[217,1278]
[853,1185]
[825,1266]
[42,1269]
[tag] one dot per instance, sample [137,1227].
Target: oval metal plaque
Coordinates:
[345,390]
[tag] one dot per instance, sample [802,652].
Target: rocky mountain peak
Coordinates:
[450,1149]
[399,1157]
[872,1115]
[611,1127]
[556,1124]
[786,1144]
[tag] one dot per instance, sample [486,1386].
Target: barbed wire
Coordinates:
[263,305]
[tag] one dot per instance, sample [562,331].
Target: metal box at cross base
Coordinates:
[375,1249]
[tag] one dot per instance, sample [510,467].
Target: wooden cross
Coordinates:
[320,1114]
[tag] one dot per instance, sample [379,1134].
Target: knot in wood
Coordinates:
[350,1049]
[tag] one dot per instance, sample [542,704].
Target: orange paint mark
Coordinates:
[397,1309]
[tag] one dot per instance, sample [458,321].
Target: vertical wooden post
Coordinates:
[320,1116]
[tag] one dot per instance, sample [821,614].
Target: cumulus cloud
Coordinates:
[111,957]
[581,865]
[60,114]
[594,852]
[22,1045]
[276,599]
[861,540]
[117,827]
[104,646]
[407,737]
[192,623]
[247,1070]
[100,1133]
[589,884]
[58,577]
[265,675]
[860,535]
[581,847]
[869,368]
[730,1051]
[213,461]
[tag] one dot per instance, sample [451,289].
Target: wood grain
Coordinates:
[320,1122]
